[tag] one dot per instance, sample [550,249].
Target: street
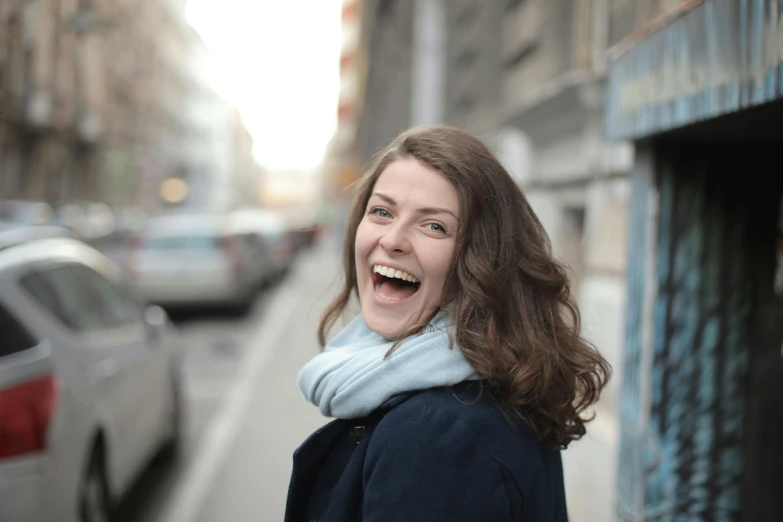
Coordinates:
[245,415]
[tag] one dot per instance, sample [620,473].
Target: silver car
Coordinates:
[182,260]
[89,382]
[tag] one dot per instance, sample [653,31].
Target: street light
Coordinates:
[174,190]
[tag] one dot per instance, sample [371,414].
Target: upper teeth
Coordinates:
[392,272]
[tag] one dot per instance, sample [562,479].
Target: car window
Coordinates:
[45,294]
[69,299]
[14,338]
[121,307]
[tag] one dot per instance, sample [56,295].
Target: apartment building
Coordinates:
[474,64]
[104,99]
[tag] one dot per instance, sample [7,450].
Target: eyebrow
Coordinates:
[423,210]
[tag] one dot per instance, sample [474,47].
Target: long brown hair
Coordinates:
[508,297]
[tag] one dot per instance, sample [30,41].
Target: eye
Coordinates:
[437,227]
[380,212]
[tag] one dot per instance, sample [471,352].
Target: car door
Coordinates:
[109,354]
[148,357]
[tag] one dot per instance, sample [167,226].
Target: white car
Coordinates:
[188,259]
[89,382]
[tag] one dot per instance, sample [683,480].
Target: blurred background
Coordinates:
[175,176]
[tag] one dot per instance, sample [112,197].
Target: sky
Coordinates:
[277,61]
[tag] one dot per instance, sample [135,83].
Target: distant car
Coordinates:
[276,243]
[196,259]
[304,230]
[24,212]
[92,220]
[129,222]
[89,382]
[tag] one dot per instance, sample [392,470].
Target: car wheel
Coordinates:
[95,503]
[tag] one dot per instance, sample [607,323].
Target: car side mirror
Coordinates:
[156,320]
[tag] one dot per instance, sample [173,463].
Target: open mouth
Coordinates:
[393,285]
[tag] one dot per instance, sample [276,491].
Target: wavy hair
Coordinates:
[509,298]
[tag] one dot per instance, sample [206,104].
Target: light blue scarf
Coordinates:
[351,378]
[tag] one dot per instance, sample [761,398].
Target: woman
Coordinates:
[464,375]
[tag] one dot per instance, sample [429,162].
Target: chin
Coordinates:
[387,327]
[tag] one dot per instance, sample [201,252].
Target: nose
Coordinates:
[396,241]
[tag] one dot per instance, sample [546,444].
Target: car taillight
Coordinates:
[230,248]
[25,414]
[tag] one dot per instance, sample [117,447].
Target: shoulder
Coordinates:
[467,409]
[454,446]
[454,421]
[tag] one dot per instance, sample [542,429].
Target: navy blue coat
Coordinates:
[441,454]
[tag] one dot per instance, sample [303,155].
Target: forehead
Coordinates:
[410,182]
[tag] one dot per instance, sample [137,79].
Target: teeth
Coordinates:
[391,272]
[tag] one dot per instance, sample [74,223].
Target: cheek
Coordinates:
[363,243]
[439,261]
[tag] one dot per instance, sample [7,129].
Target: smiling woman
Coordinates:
[465,373]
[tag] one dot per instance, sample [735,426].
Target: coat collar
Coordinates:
[396,400]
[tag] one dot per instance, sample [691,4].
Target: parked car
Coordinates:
[13,233]
[89,382]
[196,259]
[92,220]
[129,222]
[23,212]
[303,229]
[276,244]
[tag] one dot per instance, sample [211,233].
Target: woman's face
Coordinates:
[404,245]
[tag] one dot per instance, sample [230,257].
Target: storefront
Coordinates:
[702,403]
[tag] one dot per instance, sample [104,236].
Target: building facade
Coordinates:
[103,100]
[387,99]
[698,87]
[51,96]
[474,64]
[342,163]
[548,130]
